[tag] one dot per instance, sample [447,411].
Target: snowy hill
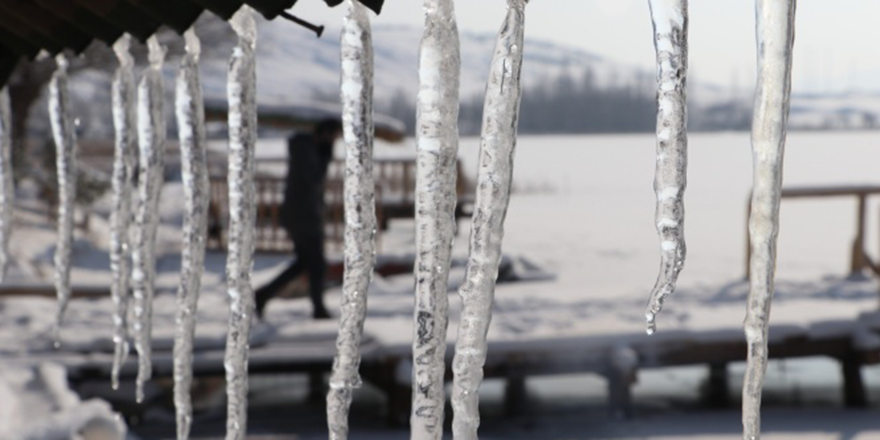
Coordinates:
[293,64]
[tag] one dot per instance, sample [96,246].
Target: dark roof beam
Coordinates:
[49,24]
[223,8]
[124,15]
[176,14]
[20,46]
[10,22]
[84,19]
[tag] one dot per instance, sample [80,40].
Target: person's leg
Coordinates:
[317,267]
[311,251]
[271,290]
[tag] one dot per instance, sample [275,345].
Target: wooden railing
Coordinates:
[395,199]
[859,259]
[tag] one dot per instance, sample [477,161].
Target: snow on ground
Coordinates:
[583,209]
[37,404]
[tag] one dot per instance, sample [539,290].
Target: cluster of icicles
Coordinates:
[139,149]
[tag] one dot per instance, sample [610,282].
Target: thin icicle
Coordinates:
[191,129]
[670,18]
[241,92]
[64,132]
[775,33]
[500,120]
[151,142]
[124,163]
[437,145]
[7,190]
[360,215]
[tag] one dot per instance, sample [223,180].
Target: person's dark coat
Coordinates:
[303,208]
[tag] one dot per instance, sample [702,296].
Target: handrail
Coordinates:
[859,259]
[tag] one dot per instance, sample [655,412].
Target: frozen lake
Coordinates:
[597,193]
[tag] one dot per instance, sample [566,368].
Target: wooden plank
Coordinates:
[829,191]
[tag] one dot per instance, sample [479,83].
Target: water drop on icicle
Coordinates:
[194,169]
[437,146]
[670,20]
[64,134]
[241,92]
[500,116]
[7,190]
[775,32]
[124,163]
[151,144]
[360,216]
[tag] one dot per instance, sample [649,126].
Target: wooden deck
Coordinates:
[616,357]
[395,199]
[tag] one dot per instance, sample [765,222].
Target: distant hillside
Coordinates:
[568,90]
[295,65]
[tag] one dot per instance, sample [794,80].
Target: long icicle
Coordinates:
[124,163]
[7,189]
[151,142]
[360,215]
[241,91]
[500,119]
[191,129]
[64,132]
[437,145]
[670,18]
[775,33]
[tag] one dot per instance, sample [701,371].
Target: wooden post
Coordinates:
[857,263]
[748,239]
[622,373]
[854,395]
[515,395]
[717,392]
[399,388]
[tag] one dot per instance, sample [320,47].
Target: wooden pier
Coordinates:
[616,357]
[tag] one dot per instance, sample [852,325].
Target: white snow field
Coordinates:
[582,208]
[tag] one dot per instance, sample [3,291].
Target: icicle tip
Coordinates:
[650,325]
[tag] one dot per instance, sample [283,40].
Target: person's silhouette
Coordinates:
[302,213]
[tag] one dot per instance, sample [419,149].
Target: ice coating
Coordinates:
[500,120]
[64,133]
[124,163]
[151,143]
[190,112]
[360,215]
[437,147]
[775,34]
[241,92]
[7,190]
[670,18]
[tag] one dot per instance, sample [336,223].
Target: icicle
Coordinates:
[191,129]
[124,163]
[64,132]
[242,212]
[151,142]
[437,144]
[670,19]
[775,32]
[360,215]
[500,118]
[7,191]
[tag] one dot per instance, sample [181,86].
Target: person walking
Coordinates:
[302,214]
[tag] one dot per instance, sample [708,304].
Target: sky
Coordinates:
[833,43]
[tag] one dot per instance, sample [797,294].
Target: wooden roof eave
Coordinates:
[84,19]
